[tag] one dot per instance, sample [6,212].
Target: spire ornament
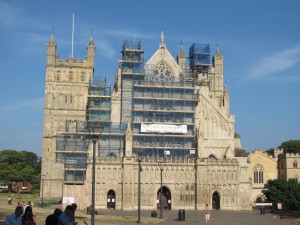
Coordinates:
[162,41]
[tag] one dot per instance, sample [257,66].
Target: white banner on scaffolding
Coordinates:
[163,128]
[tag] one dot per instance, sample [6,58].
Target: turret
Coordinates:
[181,58]
[51,51]
[217,80]
[277,152]
[217,60]
[90,58]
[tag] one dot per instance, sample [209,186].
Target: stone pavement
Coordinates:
[218,217]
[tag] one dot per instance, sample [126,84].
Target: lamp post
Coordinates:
[140,169]
[94,130]
[160,194]
[42,183]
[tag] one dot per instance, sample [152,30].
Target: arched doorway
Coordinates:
[166,198]
[111,199]
[216,200]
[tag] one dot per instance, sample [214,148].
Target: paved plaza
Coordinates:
[217,217]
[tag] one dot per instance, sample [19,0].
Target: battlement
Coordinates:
[278,151]
[289,155]
[292,154]
[70,62]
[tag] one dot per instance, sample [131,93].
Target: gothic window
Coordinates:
[295,164]
[258,174]
[71,99]
[58,75]
[70,76]
[192,187]
[111,154]
[162,73]
[212,158]
[66,99]
[82,76]
[187,187]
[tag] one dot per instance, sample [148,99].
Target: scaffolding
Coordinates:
[131,66]
[199,56]
[164,103]
[99,101]
[72,145]
[132,58]
[99,110]
[167,102]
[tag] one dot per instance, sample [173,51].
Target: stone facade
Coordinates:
[263,167]
[266,167]
[203,168]
[288,166]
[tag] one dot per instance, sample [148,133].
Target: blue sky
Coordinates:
[259,39]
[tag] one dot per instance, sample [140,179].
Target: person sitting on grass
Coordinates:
[72,215]
[53,218]
[65,217]
[27,218]
[15,218]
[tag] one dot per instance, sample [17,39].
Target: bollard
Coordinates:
[181,215]
[153,214]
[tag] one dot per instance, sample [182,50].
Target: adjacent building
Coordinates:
[269,166]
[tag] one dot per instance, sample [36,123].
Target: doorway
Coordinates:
[166,198]
[111,199]
[216,201]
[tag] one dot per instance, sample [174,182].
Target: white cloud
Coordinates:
[8,15]
[279,61]
[26,106]
[105,48]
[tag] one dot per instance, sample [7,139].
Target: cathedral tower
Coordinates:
[67,82]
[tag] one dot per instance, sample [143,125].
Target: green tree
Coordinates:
[16,165]
[270,151]
[285,192]
[291,146]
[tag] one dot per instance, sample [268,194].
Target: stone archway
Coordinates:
[216,200]
[111,199]
[166,198]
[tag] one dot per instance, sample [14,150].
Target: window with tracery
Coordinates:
[187,187]
[258,174]
[70,76]
[162,72]
[58,75]
[82,76]
[192,187]
[212,158]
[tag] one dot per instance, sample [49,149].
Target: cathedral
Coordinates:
[162,131]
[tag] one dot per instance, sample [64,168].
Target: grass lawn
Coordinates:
[81,216]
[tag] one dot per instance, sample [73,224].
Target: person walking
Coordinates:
[9,200]
[207,213]
[15,218]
